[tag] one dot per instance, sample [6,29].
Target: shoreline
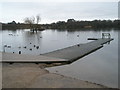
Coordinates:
[35,76]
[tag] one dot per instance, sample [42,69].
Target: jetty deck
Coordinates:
[65,55]
[78,51]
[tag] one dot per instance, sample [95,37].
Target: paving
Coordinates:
[30,75]
[24,58]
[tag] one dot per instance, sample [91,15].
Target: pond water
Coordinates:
[100,66]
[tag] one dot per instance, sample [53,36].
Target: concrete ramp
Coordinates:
[19,58]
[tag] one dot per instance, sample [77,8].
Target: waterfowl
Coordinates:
[25,47]
[10,34]
[5,45]
[19,47]
[37,47]
[9,46]
[78,45]
[31,49]
[19,52]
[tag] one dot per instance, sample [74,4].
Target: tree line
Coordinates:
[69,24]
[73,24]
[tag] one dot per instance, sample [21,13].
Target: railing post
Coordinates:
[106,35]
[4,48]
[102,35]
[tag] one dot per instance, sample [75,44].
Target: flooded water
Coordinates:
[100,67]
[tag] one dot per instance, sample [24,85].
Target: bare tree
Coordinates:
[29,20]
[38,19]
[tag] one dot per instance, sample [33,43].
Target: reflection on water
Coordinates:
[99,67]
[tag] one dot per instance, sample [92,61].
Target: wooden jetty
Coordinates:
[76,52]
[65,55]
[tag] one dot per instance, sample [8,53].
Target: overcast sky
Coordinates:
[58,11]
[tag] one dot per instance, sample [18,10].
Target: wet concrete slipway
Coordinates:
[33,76]
[27,71]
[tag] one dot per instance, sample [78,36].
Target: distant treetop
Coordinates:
[13,22]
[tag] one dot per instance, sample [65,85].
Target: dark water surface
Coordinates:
[100,67]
